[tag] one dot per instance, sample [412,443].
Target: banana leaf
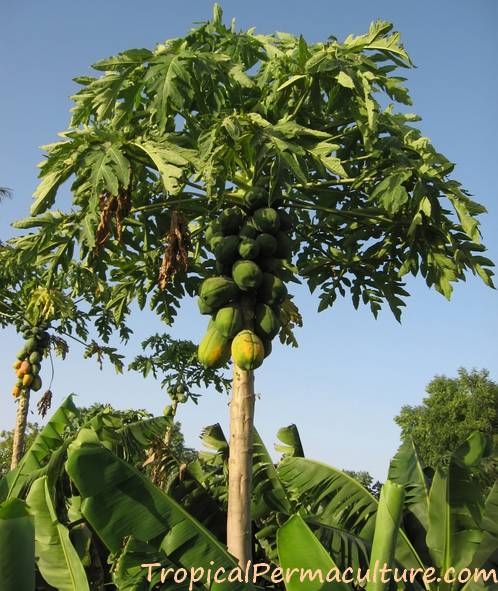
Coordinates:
[456,508]
[268,494]
[118,501]
[56,557]
[291,442]
[338,500]
[46,443]
[387,522]
[406,469]
[299,549]
[17,547]
[486,556]
[129,575]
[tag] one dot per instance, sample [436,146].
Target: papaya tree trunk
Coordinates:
[20,430]
[239,538]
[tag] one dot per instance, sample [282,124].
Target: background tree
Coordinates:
[164,142]
[452,410]
[366,480]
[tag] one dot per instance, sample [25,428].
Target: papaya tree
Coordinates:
[231,164]
[46,317]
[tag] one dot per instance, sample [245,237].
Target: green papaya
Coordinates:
[215,240]
[247,275]
[231,220]
[180,389]
[30,344]
[168,411]
[284,246]
[256,197]
[272,290]
[212,230]
[22,353]
[214,349]
[248,229]
[227,251]
[218,291]
[35,369]
[266,323]
[36,384]
[204,308]
[272,265]
[222,269]
[267,245]
[228,321]
[35,357]
[267,220]
[248,249]
[286,220]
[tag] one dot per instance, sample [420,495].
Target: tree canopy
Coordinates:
[160,140]
[452,410]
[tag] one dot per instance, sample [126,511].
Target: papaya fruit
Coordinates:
[27,335]
[268,347]
[272,265]
[168,411]
[16,391]
[272,290]
[17,364]
[218,291]
[266,323]
[248,249]
[228,321]
[231,220]
[215,240]
[36,383]
[227,251]
[24,368]
[203,307]
[267,245]
[180,389]
[284,246]
[35,357]
[222,269]
[247,275]
[22,353]
[267,220]
[248,230]
[247,350]
[287,220]
[35,369]
[214,349]
[256,197]
[27,380]
[30,344]
[212,230]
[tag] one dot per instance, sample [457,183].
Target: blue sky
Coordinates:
[351,373]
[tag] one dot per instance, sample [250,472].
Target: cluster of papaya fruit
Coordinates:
[28,363]
[178,395]
[250,244]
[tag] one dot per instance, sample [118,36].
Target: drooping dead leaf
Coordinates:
[44,403]
[111,207]
[176,250]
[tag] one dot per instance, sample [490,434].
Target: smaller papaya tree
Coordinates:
[245,162]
